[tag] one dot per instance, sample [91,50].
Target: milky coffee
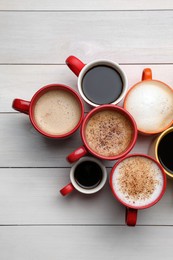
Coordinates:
[151,105]
[137,181]
[57,112]
[109,133]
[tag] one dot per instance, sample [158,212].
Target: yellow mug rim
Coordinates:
[170,129]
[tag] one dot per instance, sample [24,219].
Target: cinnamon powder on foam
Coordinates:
[108,133]
[137,178]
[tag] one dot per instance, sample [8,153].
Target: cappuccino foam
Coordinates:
[57,112]
[109,133]
[151,105]
[137,181]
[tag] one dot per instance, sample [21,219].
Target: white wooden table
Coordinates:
[36,37]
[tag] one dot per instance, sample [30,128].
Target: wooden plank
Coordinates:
[49,37]
[85,5]
[42,243]
[31,197]
[25,80]
[23,146]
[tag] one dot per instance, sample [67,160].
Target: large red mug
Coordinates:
[138,182]
[100,81]
[108,132]
[56,110]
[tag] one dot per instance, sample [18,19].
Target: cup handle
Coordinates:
[77,154]
[147,74]
[131,216]
[67,189]
[75,64]
[21,105]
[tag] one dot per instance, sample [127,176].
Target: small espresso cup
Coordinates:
[138,182]
[100,81]
[150,102]
[108,132]
[87,176]
[56,110]
[161,150]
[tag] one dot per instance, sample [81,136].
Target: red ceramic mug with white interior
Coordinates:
[138,182]
[56,110]
[108,132]
[100,81]
[88,175]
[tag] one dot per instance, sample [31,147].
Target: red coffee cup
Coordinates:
[132,206]
[83,150]
[28,107]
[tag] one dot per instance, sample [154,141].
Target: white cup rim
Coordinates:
[109,63]
[98,187]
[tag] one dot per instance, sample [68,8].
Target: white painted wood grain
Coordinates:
[85,5]
[23,146]
[22,81]
[25,80]
[76,243]
[50,37]
[31,196]
[77,226]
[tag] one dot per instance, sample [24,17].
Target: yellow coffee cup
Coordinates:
[162,150]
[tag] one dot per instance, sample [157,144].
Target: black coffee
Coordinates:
[165,154]
[102,85]
[88,174]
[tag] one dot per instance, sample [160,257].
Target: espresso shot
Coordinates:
[88,174]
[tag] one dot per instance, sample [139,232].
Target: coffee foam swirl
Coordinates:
[151,105]
[57,112]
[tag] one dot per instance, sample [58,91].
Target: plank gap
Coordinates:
[87,11]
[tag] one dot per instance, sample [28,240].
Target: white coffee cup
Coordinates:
[150,102]
[80,69]
[74,184]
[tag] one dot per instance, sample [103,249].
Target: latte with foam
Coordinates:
[151,104]
[109,133]
[137,181]
[57,112]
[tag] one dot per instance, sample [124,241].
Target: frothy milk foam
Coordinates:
[57,112]
[151,105]
[109,133]
[137,181]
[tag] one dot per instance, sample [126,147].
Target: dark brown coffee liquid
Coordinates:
[102,85]
[88,174]
[165,154]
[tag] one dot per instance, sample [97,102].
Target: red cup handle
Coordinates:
[147,74]
[67,189]
[77,154]
[75,64]
[131,216]
[21,105]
